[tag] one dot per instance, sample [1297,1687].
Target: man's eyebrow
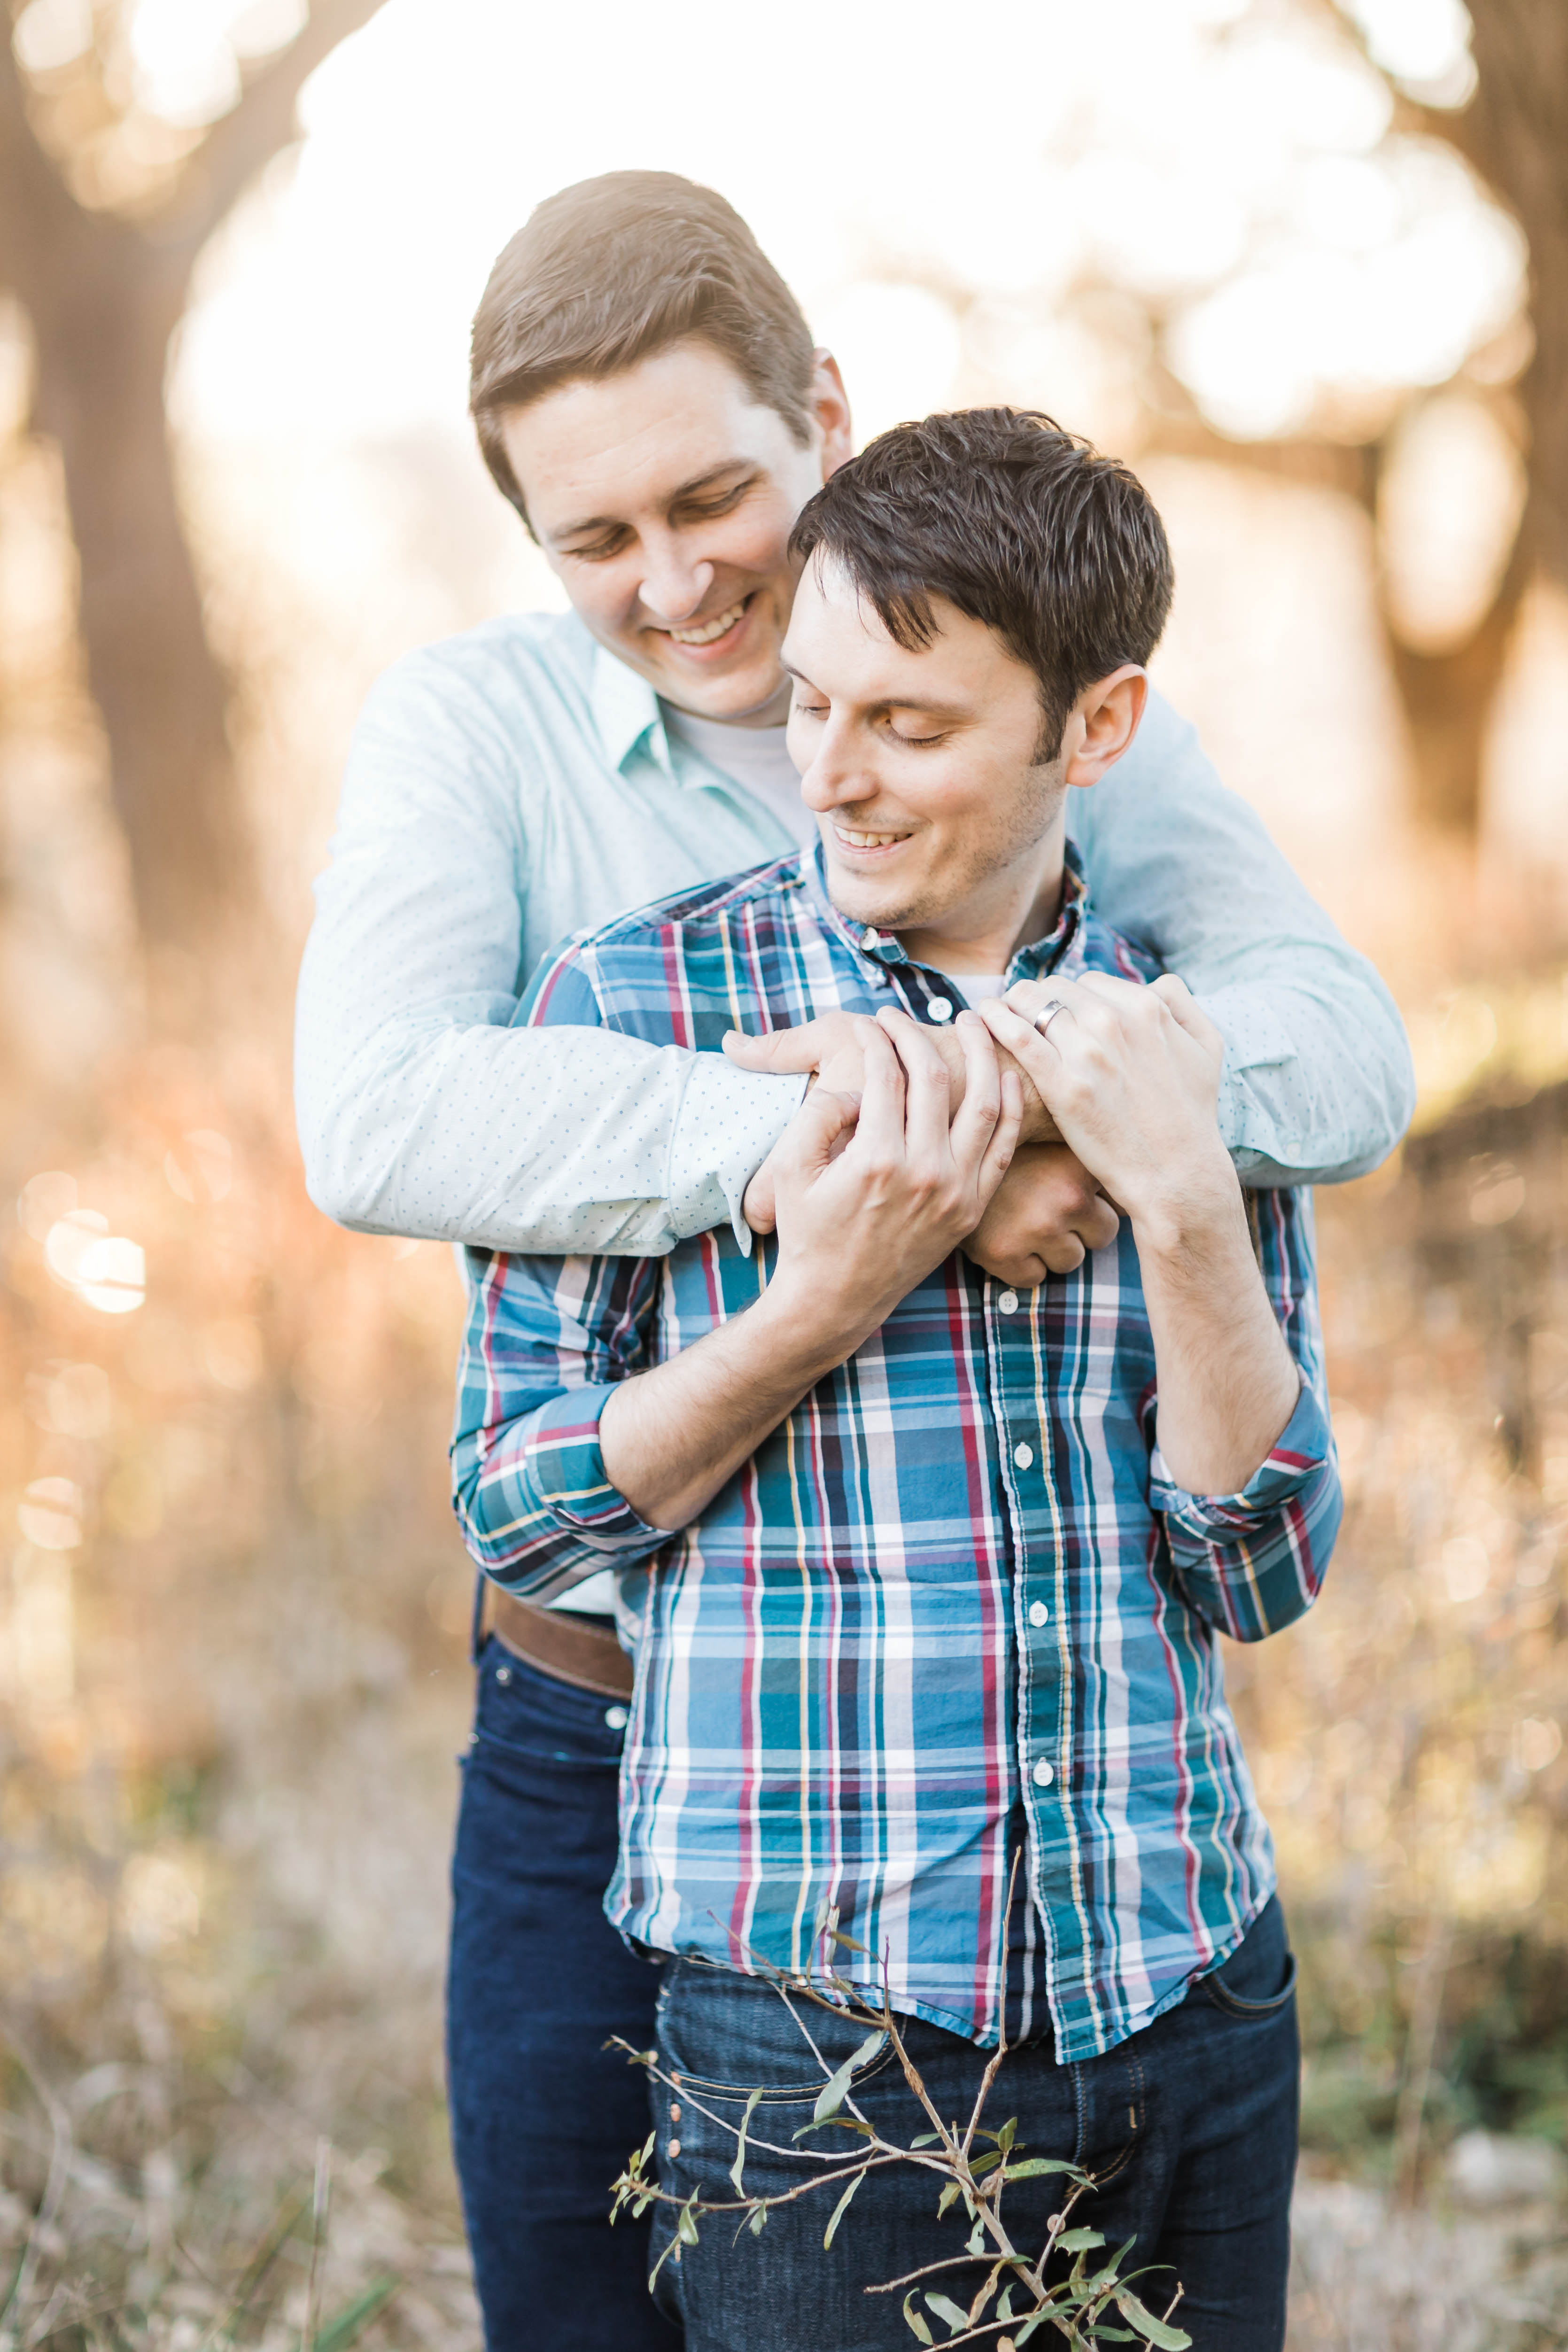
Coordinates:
[698,483]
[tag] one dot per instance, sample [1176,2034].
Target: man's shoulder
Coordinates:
[1102,949]
[674,953]
[534,662]
[701,911]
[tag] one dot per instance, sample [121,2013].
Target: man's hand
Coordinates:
[860,1224]
[1131,1077]
[833,1049]
[1046,1214]
[1132,1074]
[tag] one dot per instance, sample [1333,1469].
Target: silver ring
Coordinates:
[1048,1014]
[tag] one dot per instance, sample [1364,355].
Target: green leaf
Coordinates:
[741,2144]
[850,1943]
[1029,2327]
[831,2096]
[976,2242]
[355,2317]
[1008,2135]
[986,2163]
[925,2140]
[1074,2241]
[947,2198]
[686,2221]
[758,2220]
[1005,2308]
[921,2331]
[839,2210]
[1033,2167]
[945,2308]
[1153,2331]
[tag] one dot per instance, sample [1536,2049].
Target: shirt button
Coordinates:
[1008,1302]
[870,940]
[615,1716]
[1044,1775]
[1023,1455]
[1039,1614]
[675,2148]
[941,1008]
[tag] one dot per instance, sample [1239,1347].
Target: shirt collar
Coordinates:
[627,712]
[1030,962]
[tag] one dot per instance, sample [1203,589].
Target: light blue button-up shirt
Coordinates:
[517,782]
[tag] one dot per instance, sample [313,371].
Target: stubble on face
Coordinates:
[981,858]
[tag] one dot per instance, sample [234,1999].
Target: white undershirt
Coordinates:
[754,757]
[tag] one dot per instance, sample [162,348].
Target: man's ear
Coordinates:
[829,405]
[1102,723]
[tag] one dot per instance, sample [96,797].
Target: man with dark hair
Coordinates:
[927,1573]
[647,395]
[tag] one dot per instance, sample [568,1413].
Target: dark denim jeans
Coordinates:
[1189,2127]
[542,2116]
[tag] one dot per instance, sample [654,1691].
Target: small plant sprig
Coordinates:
[1094,2303]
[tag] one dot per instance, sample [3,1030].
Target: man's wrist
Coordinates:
[806,1320]
[1189,1210]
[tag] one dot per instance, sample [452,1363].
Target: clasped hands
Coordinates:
[1116,1108]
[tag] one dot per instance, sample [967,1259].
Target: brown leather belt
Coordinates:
[565,1646]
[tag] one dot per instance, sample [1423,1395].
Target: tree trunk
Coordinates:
[1514,132]
[1447,699]
[102,327]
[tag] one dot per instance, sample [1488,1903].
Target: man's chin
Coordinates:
[870,910]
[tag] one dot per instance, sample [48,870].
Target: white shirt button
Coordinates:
[1044,1775]
[1008,1302]
[1039,1614]
[941,1008]
[615,1716]
[870,940]
[1023,1455]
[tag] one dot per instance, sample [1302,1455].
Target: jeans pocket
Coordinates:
[726,2035]
[521,1712]
[1259,1978]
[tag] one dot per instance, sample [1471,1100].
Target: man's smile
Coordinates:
[709,633]
[852,840]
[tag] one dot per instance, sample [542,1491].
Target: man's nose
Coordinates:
[673,584]
[836,776]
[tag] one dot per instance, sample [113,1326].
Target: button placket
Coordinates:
[1033,1521]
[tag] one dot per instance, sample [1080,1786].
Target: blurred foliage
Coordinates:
[233,1673]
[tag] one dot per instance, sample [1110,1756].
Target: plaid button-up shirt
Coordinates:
[957,1580]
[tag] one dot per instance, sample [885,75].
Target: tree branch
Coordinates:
[1348,466]
[217,172]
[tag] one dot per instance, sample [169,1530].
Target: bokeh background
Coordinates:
[1307,267]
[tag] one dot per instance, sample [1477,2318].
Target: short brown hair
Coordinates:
[1021,525]
[605,273]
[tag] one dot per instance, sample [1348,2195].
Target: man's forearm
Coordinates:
[671,1437]
[1227,1382]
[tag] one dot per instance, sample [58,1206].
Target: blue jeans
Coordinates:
[542,2116]
[1189,2127]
